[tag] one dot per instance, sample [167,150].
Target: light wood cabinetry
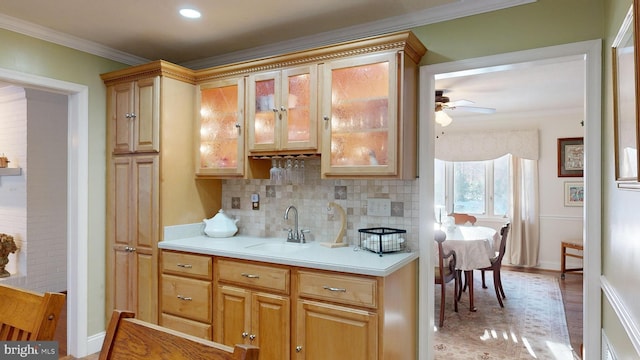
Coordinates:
[135,115]
[253,307]
[186,293]
[142,176]
[340,329]
[369,116]
[292,312]
[355,103]
[342,316]
[221,128]
[282,110]
[133,218]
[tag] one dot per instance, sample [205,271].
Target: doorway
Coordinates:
[77,199]
[590,51]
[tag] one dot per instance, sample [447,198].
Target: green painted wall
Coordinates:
[540,24]
[32,56]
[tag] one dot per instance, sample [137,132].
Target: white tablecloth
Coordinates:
[474,245]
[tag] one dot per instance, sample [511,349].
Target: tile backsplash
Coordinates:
[311,199]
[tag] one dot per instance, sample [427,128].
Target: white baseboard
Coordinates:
[94,342]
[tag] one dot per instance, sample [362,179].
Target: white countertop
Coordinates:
[189,238]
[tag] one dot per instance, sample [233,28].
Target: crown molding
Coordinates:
[70,41]
[455,10]
[434,15]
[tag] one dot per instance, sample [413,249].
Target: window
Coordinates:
[473,187]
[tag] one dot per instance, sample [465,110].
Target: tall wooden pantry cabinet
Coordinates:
[150,183]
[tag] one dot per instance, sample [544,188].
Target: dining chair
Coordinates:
[445,271]
[461,218]
[496,264]
[128,338]
[27,315]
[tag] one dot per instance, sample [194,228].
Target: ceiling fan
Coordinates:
[444,103]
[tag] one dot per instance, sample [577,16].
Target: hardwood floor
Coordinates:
[571,288]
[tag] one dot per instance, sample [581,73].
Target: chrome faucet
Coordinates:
[294,235]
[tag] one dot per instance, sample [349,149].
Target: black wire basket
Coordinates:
[382,240]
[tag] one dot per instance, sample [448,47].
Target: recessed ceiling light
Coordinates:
[190,13]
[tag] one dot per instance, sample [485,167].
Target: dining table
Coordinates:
[474,247]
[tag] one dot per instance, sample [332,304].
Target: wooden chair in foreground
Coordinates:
[445,271]
[128,338]
[27,315]
[461,219]
[496,265]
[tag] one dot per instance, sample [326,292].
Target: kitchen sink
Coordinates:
[279,247]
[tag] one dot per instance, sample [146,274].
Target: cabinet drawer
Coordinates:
[187,264]
[186,326]
[187,298]
[253,275]
[346,289]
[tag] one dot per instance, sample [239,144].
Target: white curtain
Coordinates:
[523,243]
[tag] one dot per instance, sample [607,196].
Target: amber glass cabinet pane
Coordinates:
[218,131]
[264,122]
[359,121]
[298,117]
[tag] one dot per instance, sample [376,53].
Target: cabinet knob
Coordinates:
[252,337]
[245,334]
[127,115]
[298,348]
[283,109]
[325,118]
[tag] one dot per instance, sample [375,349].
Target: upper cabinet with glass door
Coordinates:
[282,111]
[369,114]
[220,129]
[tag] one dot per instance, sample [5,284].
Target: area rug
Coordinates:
[532,324]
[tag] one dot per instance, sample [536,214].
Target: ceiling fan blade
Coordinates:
[482,110]
[461,102]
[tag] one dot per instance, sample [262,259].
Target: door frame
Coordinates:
[77,199]
[591,51]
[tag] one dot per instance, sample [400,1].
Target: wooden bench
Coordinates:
[27,315]
[132,339]
[564,246]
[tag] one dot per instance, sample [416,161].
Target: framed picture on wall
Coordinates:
[573,193]
[625,107]
[571,157]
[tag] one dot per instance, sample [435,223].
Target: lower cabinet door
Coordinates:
[249,317]
[271,325]
[232,322]
[326,331]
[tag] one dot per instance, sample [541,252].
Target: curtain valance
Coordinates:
[487,145]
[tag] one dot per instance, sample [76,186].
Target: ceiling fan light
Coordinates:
[190,13]
[443,118]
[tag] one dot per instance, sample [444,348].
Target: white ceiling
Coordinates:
[138,31]
[519,90]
